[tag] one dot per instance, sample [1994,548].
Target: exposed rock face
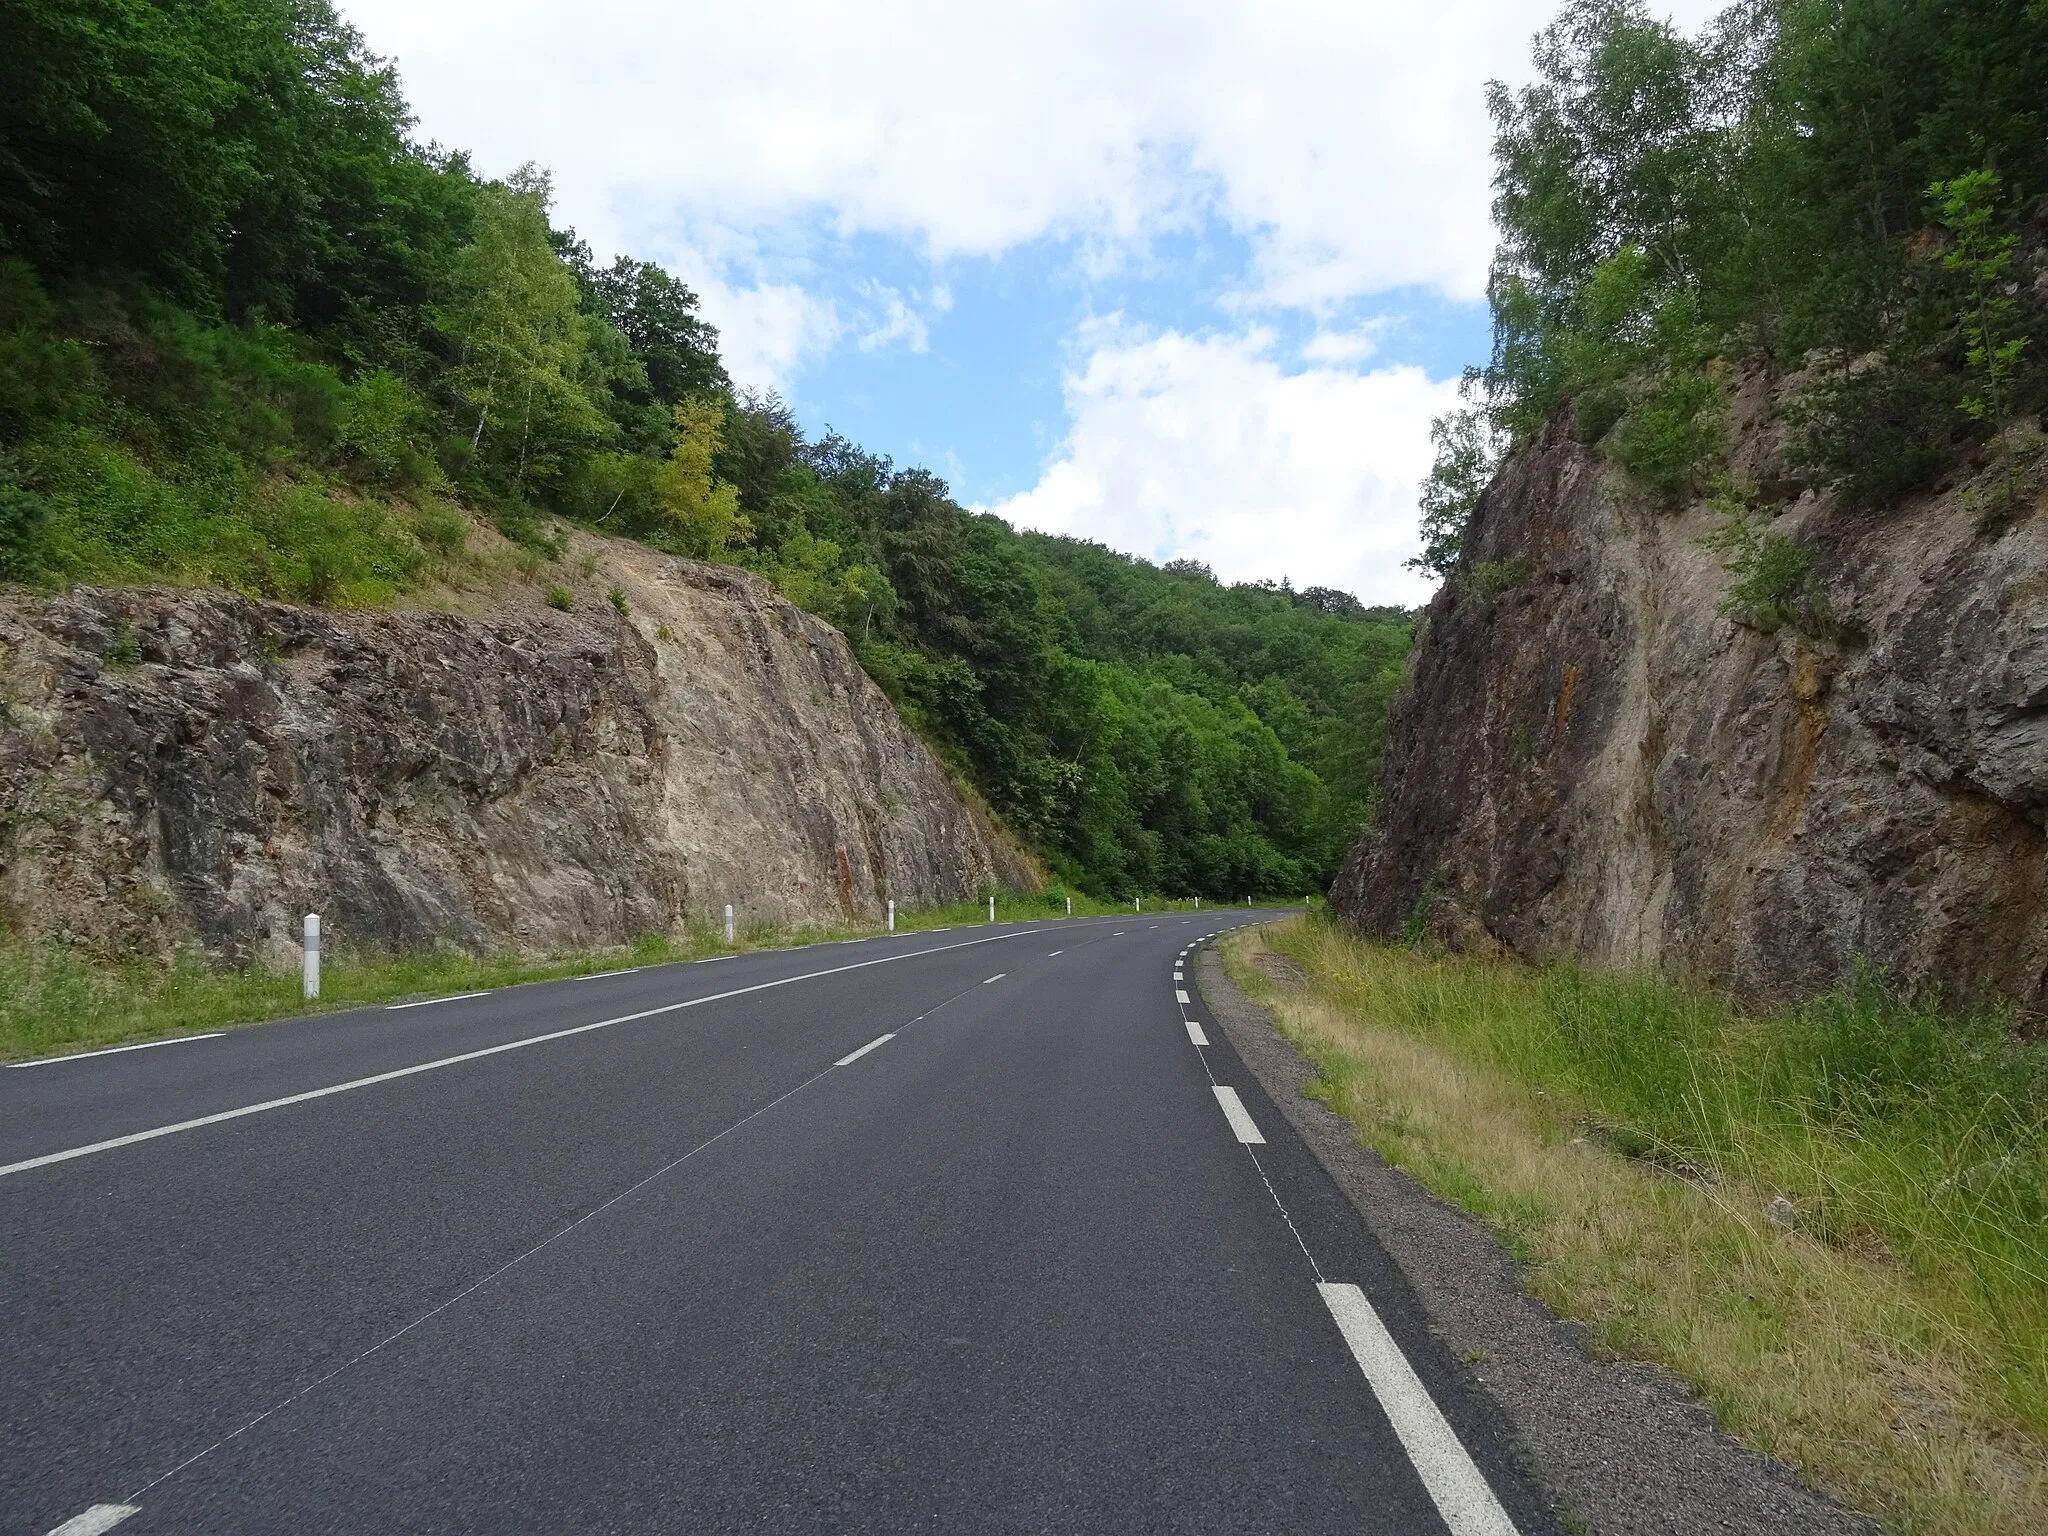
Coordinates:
[1596,762]
[179,765]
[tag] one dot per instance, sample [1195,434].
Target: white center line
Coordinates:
[101,1517]
[1460,1490]
[1055,952]
[999,975]
[428,1002]
[1240,1120]
[1195,1035]
[492,1050]
[112,1050]
[847,1061]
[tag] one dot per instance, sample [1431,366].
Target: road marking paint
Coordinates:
[847,1061]
[709,959]
[630,970]
[101,1517]
[1177,975]
[1118,934]
[1179,996]
[1195,1035]
[1460,1490]
[999,975]
[490,1050]
[1056,952]
[1240,1121]
[428,1002]
[112,1050]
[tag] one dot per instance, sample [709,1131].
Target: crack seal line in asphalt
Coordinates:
[1453,1480]
[112,1142]
[477,1285]
[128,1505]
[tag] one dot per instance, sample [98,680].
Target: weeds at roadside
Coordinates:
[1833,1221]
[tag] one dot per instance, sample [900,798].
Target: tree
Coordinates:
[701,515]
[1464,463]
[519,377]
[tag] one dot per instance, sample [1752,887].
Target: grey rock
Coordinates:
[534,780]
[1596,762]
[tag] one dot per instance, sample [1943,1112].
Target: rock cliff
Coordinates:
[1589,758]
[192,765]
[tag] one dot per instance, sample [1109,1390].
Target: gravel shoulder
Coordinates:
[1623,1447]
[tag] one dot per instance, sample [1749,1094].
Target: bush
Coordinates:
[560,597]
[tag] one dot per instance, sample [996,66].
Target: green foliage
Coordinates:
[1966,205]
[1465,457]
[616,596]
[1763,188]
[560,597]
[1774,583]
[1488,579]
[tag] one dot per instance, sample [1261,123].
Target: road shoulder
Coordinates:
[1622,1446]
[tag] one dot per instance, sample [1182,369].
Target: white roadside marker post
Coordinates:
[892,914]
[1070,906]
[312,952]
[728,922]
[991,909]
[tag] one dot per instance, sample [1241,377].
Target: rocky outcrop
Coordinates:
[1590,759]
[191,765]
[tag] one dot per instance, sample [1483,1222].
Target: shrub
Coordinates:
[559,597]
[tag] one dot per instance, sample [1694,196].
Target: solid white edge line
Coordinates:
[999,975]
[428,1002]
[631,970]
[1239,1117]
[101,1517]
[847,1061]
[1460,1490]
[490,1050]
[1195,1035]
[1180,996]
[112,1050]
[1056,952]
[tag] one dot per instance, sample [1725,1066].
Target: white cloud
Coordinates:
[1346,141]
[897,321]
[1203,447]
[1353,346]
[766,333]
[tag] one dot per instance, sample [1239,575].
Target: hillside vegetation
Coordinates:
[1852,190]
[254,334]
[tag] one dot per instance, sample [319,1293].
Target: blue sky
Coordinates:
[1190,280]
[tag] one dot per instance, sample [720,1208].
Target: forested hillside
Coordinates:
[254,334]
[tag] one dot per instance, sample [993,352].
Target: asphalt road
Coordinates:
[665,1251]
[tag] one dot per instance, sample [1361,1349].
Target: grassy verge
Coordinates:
[1832,1222]
[53,1001]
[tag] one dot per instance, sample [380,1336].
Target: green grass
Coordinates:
[1831,1219]
[53,1000]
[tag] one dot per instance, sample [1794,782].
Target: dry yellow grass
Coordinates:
[1867,1374]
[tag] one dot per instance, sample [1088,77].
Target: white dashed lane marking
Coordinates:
[879,1040]
[101,1517]
[1240,1119]
[1454,1482]
[1195,1034]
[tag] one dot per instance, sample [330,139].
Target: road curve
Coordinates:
[983,1229]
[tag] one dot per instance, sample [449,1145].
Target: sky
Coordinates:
[1189,280]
